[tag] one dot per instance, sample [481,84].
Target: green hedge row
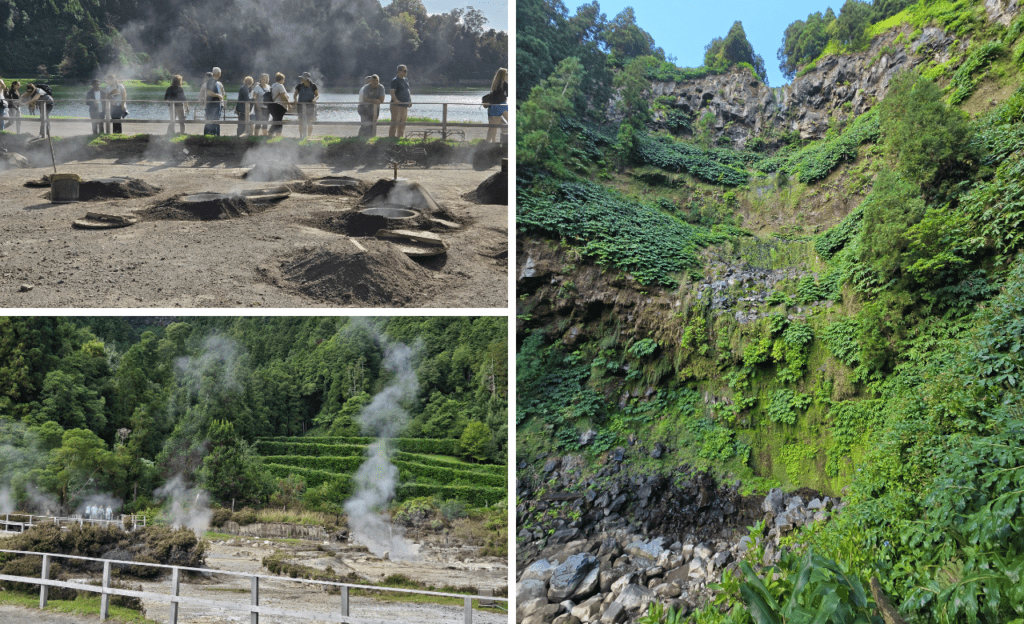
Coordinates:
[308,449]
[477,496]
[409,470]
[445,446]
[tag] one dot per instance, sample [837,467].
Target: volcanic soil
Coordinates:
[288,254]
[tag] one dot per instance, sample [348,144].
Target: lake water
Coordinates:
[463,106]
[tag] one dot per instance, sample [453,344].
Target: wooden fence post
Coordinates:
[175,584]
[254,616]
[105,597]
[344,601]
[45,576]
[107,127]
[468,610]
[376,114]
[170,128]
[444,121]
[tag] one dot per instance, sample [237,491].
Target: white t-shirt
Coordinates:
[257,94]
[276,91]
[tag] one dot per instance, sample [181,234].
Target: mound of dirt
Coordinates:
[357,224]
[180,208]
[380,275]
[349,187]
[273,171]
[405,194]
[104,188]
[493,190]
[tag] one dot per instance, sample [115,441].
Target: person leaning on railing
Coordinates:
[37,97]
[13,98]
[371,96]
[175,93]
[279,105]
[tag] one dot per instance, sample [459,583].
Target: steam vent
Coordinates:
[285,505]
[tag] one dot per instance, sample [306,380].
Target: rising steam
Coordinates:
[377,477]
[186,507]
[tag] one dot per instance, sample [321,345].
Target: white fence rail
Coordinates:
[254,608]
[128,522]
[447,128]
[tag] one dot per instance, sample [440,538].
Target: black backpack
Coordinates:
[45,88]
[267,95]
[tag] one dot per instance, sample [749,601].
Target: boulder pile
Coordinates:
[603,555]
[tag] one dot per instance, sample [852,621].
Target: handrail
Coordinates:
[254,608]
[107,120]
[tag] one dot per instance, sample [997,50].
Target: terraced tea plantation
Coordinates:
[427,467]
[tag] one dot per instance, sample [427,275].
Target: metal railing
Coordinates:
[254,608]
[107,121]
[125,521]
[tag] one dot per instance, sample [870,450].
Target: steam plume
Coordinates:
[185,506]
[377,477]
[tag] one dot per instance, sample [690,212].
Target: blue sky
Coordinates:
[684,27]
[496,11]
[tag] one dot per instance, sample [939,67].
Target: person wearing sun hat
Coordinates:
[306,94]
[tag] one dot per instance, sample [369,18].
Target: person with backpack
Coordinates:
[278,104]
[40,95]
[94,100]
[175,93]
[497,104]
[213,95]
[306,95]
[244,95]
[118,97]
[371,96]
[13,98]
[262,97]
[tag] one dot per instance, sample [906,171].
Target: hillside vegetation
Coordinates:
[104,407]
[842,314]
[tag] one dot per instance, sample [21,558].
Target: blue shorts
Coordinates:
[497,110]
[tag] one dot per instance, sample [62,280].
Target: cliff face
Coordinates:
[838,87]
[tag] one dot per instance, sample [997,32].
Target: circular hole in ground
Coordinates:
[390,212]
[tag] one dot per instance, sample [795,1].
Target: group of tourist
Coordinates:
[263,100]
[96,512]
[266,101]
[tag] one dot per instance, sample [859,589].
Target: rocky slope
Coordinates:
[838,86]
[605,549]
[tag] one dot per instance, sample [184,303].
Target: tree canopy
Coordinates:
[338,42]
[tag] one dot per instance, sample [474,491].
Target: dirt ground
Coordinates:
[440,566]
[271,258]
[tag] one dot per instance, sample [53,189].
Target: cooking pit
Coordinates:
[333,185]
[390,212]
[102,189]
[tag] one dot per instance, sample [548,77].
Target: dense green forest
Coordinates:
[340,42]
[844,314]
[119,407]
